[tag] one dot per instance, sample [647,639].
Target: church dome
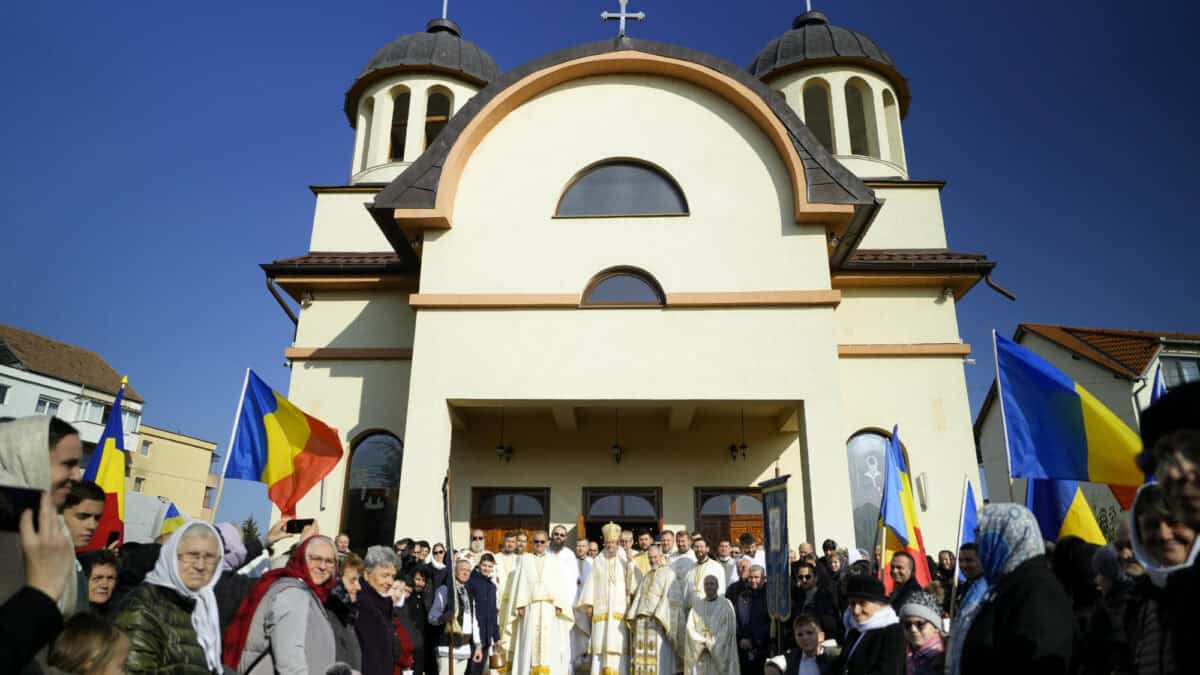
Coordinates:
[440,48]
[812,41]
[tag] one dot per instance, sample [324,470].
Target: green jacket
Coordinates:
[159,623]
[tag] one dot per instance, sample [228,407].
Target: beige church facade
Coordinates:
[629,281]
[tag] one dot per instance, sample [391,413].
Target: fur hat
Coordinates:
[866,587]
[922,605]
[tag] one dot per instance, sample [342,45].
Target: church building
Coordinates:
[629,281]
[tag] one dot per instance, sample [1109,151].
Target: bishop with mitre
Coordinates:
[605,599]
[711,634]
[653,618]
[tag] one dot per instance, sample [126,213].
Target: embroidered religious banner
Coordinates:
[779,597]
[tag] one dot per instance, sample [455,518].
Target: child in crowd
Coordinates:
[90,645]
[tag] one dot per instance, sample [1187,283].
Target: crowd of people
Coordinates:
[207,600]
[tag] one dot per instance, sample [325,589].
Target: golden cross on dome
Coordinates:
[622,16]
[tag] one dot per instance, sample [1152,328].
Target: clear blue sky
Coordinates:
[154,153]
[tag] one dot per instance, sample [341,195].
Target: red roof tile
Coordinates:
[1124,352]
[61,361]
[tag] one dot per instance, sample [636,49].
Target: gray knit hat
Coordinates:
[922,605]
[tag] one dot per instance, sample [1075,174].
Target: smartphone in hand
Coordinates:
[14,501]
[297,525]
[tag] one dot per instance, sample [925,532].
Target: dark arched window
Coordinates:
[372,490]
[622,187]
[400,104]
[860,112]
[624,287]
[437,114]
[818,114]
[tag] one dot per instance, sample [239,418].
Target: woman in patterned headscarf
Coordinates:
[1016,617]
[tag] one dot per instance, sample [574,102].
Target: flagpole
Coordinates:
[962,516]
[1003,418]
[237,418]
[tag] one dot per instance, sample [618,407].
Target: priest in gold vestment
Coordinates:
[605,599]
[654,618]
[711,634]
[541,607]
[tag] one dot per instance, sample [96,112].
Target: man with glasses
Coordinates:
[543,613]
[809,598]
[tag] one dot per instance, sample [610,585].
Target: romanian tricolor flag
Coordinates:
[1061,511]
[898,514]
[278,444]
[1054,428]
[172,519]
[106,468]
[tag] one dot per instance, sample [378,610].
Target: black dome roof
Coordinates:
[440,48]
[813,41]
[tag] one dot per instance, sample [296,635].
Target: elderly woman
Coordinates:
[376,632]
[921,619]
[171,619]
[281,626]
[1014,618]
[343,610]
[874,642]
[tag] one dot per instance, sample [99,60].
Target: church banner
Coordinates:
[779,586]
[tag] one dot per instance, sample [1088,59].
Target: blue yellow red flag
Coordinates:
[106,468]
[1062,511]
[278,444]
[1056,429]
[898,514]
[172,519]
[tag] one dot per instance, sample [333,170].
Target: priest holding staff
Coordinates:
[542,607]
[605,600]
[652,615]
[711,647]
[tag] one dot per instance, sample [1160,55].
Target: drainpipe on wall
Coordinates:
[282,303]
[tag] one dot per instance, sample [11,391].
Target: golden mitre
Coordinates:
[611,532]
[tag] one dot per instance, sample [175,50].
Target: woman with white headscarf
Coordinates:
[1016,618]
[172,618]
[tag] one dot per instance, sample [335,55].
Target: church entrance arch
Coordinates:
[372,490]
[727,513]
[499,510]
[636,509]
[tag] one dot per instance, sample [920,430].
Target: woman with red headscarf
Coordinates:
[281,626]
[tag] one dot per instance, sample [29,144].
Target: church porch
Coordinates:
[644,464]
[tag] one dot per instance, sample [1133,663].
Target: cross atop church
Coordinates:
[622,16]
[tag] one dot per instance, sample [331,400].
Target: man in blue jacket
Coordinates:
[483,589]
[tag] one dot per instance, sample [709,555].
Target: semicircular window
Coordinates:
[622,188]
[623,287]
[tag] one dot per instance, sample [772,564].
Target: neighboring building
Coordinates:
[627,281]
[1116,366]
[40,376]
[176,467]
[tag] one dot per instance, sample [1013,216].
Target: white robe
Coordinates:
[605,595]
[654,617]
[711,634]
[691,586]
[570,580]
[540,646]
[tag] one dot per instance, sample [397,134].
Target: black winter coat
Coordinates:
[230,590]
[1150,635]
[342,615]
[900,593]
[483,591]
[795,656]
[29,621]
[879,652]
[158,622]
[821,607]
[376,633]
[1025,628]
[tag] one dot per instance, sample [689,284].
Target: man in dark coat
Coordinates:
[901,569]
[483,590]
[753,623]
[874,641]
[809,598]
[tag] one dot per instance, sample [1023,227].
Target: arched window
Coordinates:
[866,456]
[367,119]
[622,187]
[624,287]
[372,490]
[818,114]
[400,105]
[891,116]
[437,114]
[860,111]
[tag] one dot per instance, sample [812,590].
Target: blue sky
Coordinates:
[155,153]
